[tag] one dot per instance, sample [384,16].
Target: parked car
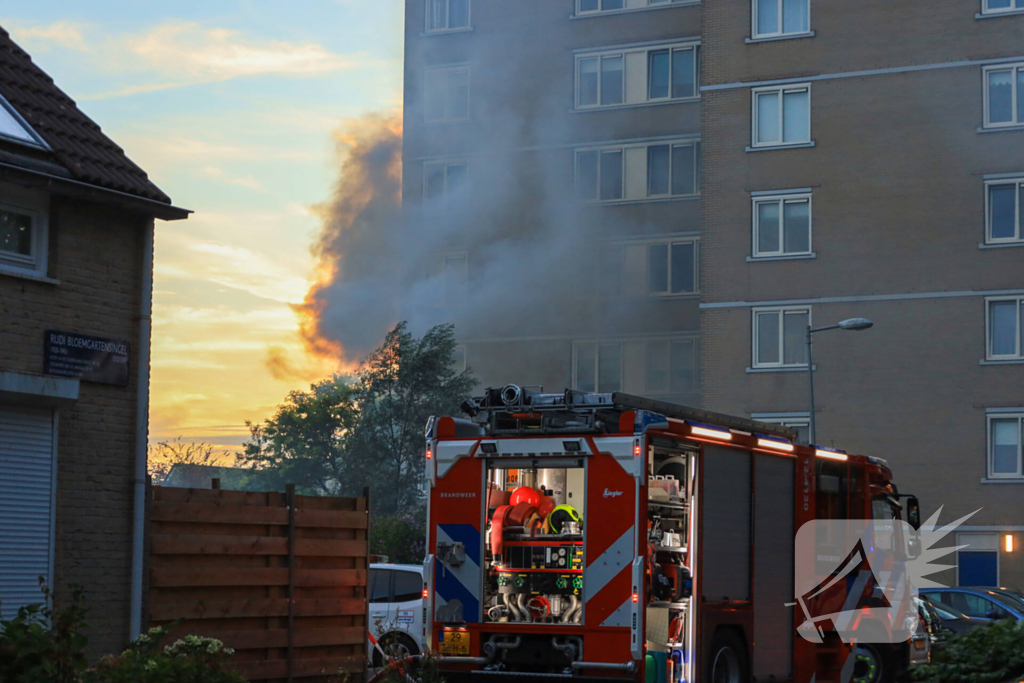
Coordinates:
[978,603]
[951,620]
[396,610]
[923,638]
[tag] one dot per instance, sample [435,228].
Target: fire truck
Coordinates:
[595,537]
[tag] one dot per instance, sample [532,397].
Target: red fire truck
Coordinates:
[607,536]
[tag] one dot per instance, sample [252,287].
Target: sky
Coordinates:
[234,109]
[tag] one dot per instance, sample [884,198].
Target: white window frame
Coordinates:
[447,18]
[995,416]
[1018,116]
[781,311]
[595,290]
[791,420]
[36,206]
[986,10]
[623,148]
[1019,211]
[781,90]
[1019,355]
[469,95]
[603,53]
[669,294]
[780,33]
[447,163]
[647,341]
[653,4]
[781,199]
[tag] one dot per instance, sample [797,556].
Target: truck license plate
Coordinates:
[455,643]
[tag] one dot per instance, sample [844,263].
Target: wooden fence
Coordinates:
[279,578]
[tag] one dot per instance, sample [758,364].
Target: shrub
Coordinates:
[985,654]
[192,659]
[44,643]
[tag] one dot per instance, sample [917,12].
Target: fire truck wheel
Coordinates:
[727,658]
[397,645]
[872,664]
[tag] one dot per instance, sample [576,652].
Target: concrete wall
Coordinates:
[96,254]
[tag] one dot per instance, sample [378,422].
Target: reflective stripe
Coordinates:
[606,567]
[620,617]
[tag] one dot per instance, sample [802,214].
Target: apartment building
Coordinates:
[551,188]
[867,160]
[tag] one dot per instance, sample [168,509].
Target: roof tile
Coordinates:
[76,141]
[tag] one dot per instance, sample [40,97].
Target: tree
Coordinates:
[400,385]
[304,443]
[166,454]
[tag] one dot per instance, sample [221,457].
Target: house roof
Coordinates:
[75,141]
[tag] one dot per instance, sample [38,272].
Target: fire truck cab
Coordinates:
[608,536]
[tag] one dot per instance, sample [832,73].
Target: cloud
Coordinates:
[182,53]
[63,34]
[218,173]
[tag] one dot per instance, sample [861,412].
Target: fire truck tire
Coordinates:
[874,664]
[397,645]
[727,658]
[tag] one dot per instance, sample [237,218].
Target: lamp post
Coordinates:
[855,324]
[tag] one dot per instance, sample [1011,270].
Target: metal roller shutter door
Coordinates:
[26,505]
[726,524]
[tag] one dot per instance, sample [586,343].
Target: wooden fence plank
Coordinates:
[316,547]
[175,544]
[169,610]
[332,519]
[218,514]
[313,578]
[174,577]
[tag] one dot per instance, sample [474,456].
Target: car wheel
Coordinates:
[727,658]
[397,646]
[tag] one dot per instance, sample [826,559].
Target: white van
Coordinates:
[396,610]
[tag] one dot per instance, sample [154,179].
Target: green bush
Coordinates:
[986,654]
[192,659]
[44,643]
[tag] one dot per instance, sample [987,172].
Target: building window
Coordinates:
[1003,211]
[596,6]
[801,422]
[598,367]
[446,94]
[672,268]
[774,18]
[1004,90]
[781,116]
[447,15]
[23,236]
[1005,328]
[780,337]
[638,76]
[782,225]
[638,172]
[1001,6]
[652,367]
[456,274]
[1005,437]
[442,180]
[658,268]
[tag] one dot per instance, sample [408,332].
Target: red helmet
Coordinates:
[525,494]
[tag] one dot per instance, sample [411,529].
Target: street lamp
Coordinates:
[854,324]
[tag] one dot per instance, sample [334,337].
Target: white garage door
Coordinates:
[26,505]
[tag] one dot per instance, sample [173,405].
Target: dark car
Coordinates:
[951,620]
[978,603]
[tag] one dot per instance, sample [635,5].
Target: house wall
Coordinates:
[96,255]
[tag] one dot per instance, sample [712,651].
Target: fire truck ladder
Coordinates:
[512,410]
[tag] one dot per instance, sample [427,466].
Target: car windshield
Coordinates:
[1009,598]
